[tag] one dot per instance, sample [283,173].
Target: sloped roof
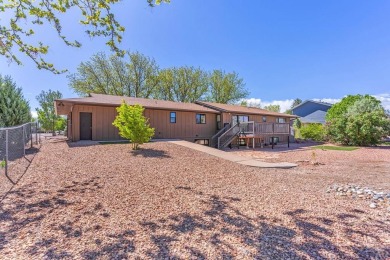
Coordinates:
[111,100]
[312,101]
[315,117]
[242,109]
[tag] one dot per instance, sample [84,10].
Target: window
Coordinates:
[172,117]
[280,120]
[276,140]
[200,118]
[264,119]
[240,119]
[202,141]
[218,122]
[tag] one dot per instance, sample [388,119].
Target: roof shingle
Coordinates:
[101,99]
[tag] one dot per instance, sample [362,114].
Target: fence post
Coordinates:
[6,152]
[31,134]
[36,133]
[24,141]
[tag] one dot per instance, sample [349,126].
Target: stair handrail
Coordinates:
[221,131]
[234,127]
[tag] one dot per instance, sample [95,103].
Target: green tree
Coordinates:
[244,103]
[17,31]
[133,125]
[143,75]
[166,83]
[295,103]
[46,114]
[60,124]
[226,87]
[14,108]
[357,120]
[183,84]
[313,131]
[135,76]
[367,122]
[273,108]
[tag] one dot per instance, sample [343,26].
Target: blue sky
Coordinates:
[282,49]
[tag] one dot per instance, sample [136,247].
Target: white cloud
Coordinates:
[385,99]
[286,104]
[328,100]
[34,114]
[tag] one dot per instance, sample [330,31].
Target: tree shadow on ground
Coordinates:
[231,234]
[28,207]
[150,153]
[217,229]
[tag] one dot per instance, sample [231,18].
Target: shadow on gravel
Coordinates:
[218,227]
[150,153]
[228,232]
[28,207]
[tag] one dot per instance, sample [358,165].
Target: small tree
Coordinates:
[47,114]
[133,125]
[14,108]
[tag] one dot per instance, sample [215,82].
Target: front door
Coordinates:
[85,126]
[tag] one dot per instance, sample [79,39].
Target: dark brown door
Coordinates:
[85,126]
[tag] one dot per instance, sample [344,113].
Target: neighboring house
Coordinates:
[90,118]
[311,111]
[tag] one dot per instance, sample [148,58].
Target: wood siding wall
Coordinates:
[185,127]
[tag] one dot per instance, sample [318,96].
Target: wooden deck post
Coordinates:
[253,135]
[273,132]
[288,141]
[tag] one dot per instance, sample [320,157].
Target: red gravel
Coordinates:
[168,201]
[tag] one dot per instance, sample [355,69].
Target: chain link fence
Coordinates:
[15,142]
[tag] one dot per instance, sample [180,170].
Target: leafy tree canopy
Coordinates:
[273,108]
[14,108]
[46,114]
[137,75]
[17,32]
[133,125]
[357,120]
[226,87]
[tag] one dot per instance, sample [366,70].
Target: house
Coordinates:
[311,111]
[90,118]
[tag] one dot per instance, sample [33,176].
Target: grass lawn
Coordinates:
[337,148]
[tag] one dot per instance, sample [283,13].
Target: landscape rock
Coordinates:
[379,199]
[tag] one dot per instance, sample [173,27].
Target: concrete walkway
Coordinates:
[232,157]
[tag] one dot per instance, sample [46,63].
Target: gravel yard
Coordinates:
[169,202]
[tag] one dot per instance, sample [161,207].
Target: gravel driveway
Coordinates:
[170,202]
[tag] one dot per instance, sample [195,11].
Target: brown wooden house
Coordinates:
[90,118]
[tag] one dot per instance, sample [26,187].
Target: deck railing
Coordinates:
[252,129]
[263,128]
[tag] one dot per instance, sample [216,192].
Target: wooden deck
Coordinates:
[253,130]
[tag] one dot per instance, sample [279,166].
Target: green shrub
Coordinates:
[314,132]
[133,125]
[357,120]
